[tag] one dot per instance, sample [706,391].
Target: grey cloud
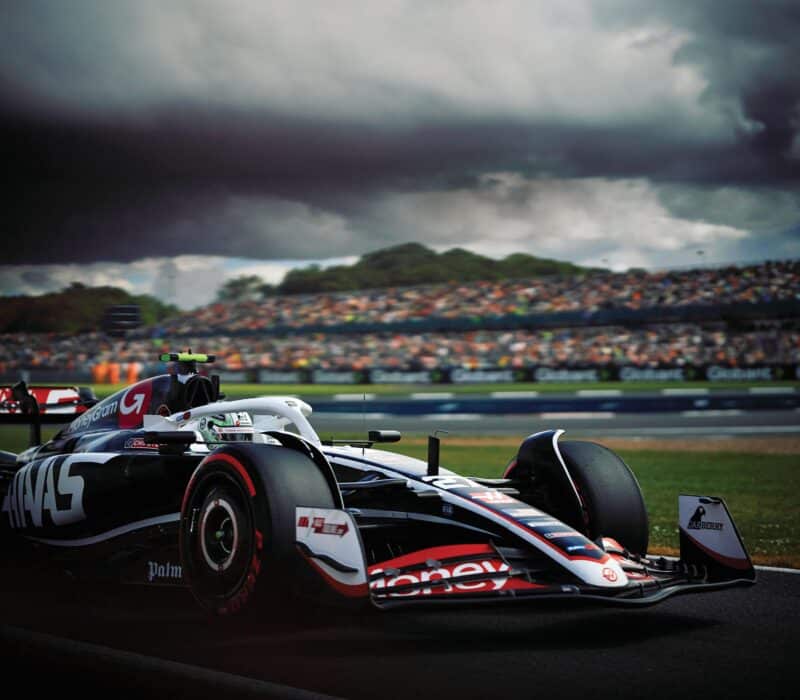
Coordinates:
[157,129]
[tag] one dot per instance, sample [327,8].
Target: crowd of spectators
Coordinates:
[270,334]
[668,344]
[767,282]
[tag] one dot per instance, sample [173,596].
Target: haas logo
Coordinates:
[697,518]
[134,405]
[696,522]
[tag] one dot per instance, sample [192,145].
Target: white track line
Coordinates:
[575,415]
[712,413]
[777,569]
[684,392]
[599,392]
[451,416]
[514,394]
[433,395]
[353,397]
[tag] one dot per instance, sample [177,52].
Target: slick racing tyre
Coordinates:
[237,528]
[610,494]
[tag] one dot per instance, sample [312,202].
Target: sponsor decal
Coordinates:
[435,576]
[240,377]
[163,571]
[473,376]
[385,376]
[546,374]
[449,482]
[525,513]
[493,497]
[321,527]
[651,374]
[438,579]
[273,376]
[102,410]
[133,405]
[321,376]
[45,487]
[715,373]
[139,443]
[557,535]
[696,522]
[609,574]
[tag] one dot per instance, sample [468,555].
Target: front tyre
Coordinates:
[610,494]
[224,551]
[237,530]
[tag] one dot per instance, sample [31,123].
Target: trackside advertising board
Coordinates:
[583,374]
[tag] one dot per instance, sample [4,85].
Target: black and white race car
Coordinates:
[167,483]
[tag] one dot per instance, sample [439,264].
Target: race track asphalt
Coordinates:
[657,425]
[735,643]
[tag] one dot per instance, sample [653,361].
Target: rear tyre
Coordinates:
[610,493]
[237,530]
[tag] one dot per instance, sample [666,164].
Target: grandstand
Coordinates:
[731,317]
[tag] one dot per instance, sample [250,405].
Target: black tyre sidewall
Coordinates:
[610,493]
[272,480]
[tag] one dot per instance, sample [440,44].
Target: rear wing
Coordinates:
[43,404]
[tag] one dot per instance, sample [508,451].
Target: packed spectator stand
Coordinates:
[736,316]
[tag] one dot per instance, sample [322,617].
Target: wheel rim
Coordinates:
[219,535]
[218,542]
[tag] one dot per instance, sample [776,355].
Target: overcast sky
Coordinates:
[166,146]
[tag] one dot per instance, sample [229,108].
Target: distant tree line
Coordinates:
[406,265]
[75,309]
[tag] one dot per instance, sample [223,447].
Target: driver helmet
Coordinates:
[227,427]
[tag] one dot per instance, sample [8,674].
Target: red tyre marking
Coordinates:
[509,468]
[236,464]
[239,467]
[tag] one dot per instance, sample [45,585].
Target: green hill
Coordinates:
[415,264]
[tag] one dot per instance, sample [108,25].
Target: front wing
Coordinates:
[712,557]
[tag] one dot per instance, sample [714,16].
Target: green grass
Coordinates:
[235,391]
[760,491]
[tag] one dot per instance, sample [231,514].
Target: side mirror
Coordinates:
[384,436]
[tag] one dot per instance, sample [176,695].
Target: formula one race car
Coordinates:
[165,482]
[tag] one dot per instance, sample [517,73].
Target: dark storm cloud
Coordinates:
[749,53]
[139,130]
